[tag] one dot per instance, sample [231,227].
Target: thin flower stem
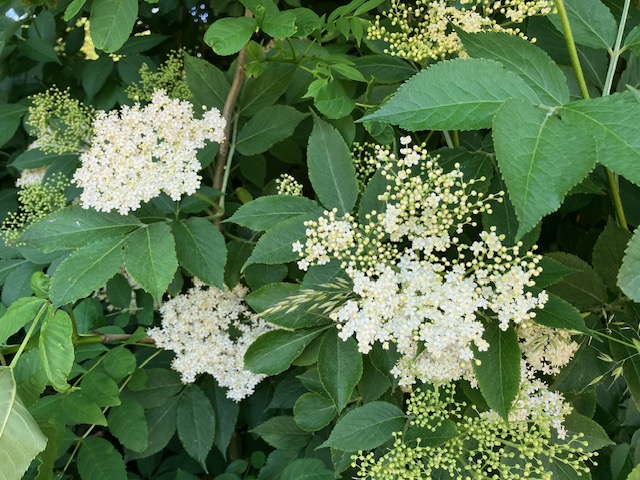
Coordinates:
[227,168]
[612,180]
[615,54]
[447,138]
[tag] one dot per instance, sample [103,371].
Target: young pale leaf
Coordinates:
[331,168]
[86,270]
[201,249]
[74,227]
[150,258]
[313,412]
[266,212]
[530,63]
[461,94]
[10,116]
[99,460]
[560,314]
[268,127]
[592,23]
[20,437]
[608,253]
[498,372]
[307,469]
[112,22]
[206,81]
[283,433]
[21,312]
[629,276]
[228,35]
[196,423]
[611,120]
[56,349]
[340,367]
[528,143]
[366,427]
[273,352]
[129,425]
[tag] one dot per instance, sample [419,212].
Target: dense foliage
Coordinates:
[281,240]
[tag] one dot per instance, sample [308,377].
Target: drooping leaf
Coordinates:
[129,425]
[528,142]
[79,408]
[112,22]
[20,437]
[228,35]
[266,128]
[99,460]
[384,68]
[331,168]
[340,367]
[266,212]
[366,427]
[461,94]
[207,82]
[150,258]
[201,249]
[313,412]
[56,349]
[226,413]
[161,422]
[20,313]
[592,23]
[629,276]
[196,423]
[282,432]
[498,372]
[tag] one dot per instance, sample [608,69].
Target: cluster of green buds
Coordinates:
[169,77]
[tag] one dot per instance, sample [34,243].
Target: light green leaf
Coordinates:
[201,249]
[207,82]
[56,349]
[31,379]
[196,423]
[339,366]
[520,56]
[21,312]
[313,412]
[150,258]
[266,212]
[611,120]
[307,469]
[266,128]
[331,169]
[279,24]
[332,100]
[86,270]
[74,227]
[560,314]
[592,23]
[228,35]
[460,94]
[129,425]
[366,427]
[498,373]
[629,275]
[112,22]
[283,433]
[20,437]
[528,142]
[10,117]
[99,460]
[273,352]
[632,40]
[72,9]
[635,473]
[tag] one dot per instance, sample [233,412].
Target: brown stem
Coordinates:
[121,337]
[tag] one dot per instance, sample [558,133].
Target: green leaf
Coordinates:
[157,385]
[196,423]
[430,437]
[384,68]
[201,249]
[150,258]
[99,460]
[86,270]
[592,23]
[520,56]
[584,288]
[226,413]
[56,349]
[279,24]
[461,94]
[10,117]
[263,91]
[95,74]
[119,362]
[276,245]
[112,22]
[552,272]
[20,437]
[30,377]
[331,168]
[629,276]
[366,427]
[560,314]
[141,43]
[81,409]
[592,432]
[36,158]
[332,100]
[273,352]
[608,253]
[129,425]
[266,212]
[307,469]
[101,388]
[161,422]
[207,82]
[612,122]
[528,142]
[498,373]
[313,412]
[632,40]
[74,227]
[21,312]
[283,433]
[266,128]
[339,366]
[228,35]
[73,9]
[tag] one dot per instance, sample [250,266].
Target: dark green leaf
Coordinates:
[101,388]
[196,423]
[384,68]
[264,213]
[593,434]
[339,366]
[206,81]
[560,314]
[112,22]
[99,460]
[307,469]
[430,437]
[161,421]
[81,409]
[10,116]
[119,362]
[129,425]
[283,433]
[608,253]
[313,412]
[266,128]
[584,288]
[263,91]
[332,100]
[552,272]
[95,74]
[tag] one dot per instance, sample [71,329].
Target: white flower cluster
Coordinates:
[417,284]
[139,152]
[210,331]
[31,176]
[546,349]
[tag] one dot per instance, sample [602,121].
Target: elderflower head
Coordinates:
[139,152]
[31,176]
[546,349]
[427,29]
[210,330]
[287,185]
